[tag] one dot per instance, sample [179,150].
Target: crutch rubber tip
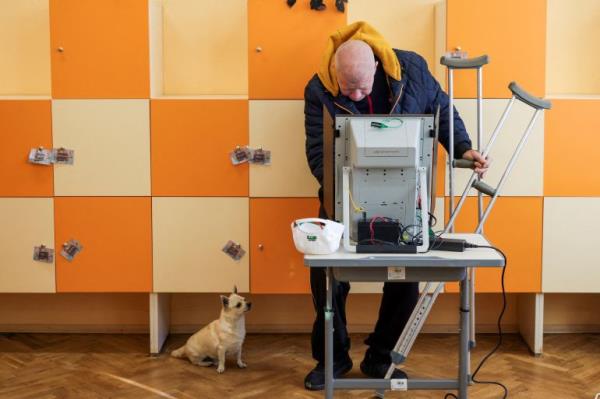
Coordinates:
[397,358]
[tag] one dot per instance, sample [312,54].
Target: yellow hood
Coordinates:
[358,31]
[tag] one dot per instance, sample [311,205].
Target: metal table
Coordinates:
[433,266]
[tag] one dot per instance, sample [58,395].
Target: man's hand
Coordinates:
[481,164]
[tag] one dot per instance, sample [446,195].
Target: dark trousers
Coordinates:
[397,304]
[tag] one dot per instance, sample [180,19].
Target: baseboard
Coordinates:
[75,328]
[274,329]
[572,329]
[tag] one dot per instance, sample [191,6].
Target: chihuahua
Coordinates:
[221,337]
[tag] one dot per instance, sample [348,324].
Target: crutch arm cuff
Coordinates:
[527,98]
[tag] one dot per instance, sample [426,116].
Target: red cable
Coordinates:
[370,101]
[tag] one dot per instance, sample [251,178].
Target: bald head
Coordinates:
[355,66]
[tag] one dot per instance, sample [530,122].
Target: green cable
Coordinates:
[386,125]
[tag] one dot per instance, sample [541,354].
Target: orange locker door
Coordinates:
[24,125]
[116,236]
[568,173]
[275,266]
[511,32]
[191,141]
[285,46]
[99,49]
[515,227]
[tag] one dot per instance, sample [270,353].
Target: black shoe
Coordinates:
[376,366]
[315,380]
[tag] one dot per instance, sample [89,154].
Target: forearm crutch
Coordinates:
[427,298]
[453,63]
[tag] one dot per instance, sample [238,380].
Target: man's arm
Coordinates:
[313,125]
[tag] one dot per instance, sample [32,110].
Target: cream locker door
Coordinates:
[572,58]
[25,48]
[571,261]
[189,234]
[26,223]
[278,126]
[526,178]
[204,46]
[111,140]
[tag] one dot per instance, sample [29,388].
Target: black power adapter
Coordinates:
[450,244]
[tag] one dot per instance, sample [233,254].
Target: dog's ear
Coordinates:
[224,301]
[235,289]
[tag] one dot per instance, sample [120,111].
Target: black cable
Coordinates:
[499,343]
[372,240]
[432,216]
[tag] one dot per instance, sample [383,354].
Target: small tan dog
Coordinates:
[221,337]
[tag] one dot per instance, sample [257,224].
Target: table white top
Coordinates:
[481,257]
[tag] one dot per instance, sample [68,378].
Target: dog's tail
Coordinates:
[179,352]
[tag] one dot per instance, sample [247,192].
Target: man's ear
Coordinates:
[224,301]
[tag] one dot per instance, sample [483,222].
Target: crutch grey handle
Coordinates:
[527,98]
[484,188]
[463,163]
[464,63]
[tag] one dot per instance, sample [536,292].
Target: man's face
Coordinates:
[357,84]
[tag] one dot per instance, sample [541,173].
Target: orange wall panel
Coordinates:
[191,142]
[511,32]
[292,41]
[116,235]
[514,226]
[24,125]
[278,268]
[571,146]
[105,49]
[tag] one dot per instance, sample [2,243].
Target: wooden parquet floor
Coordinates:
[45,366]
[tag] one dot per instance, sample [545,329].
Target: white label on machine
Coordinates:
[400,384]
[397,273]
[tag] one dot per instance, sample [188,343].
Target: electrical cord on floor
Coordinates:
[481,363]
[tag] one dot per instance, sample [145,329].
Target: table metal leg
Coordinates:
[463,358]
[329,335]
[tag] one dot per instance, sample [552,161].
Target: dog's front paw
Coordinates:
[241,364]
[221,369]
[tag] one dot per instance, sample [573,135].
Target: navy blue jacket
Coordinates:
[416,93]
